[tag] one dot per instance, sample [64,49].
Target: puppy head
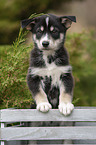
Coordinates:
[48,31]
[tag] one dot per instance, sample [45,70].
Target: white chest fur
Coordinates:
[50,70]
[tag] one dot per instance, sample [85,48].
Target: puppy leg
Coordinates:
[41,100]
[66,93]
[38,93]
[65,105]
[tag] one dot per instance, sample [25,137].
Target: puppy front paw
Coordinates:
[66,108]
[44,107]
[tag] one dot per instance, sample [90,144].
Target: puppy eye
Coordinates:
[55,30]
[39,31]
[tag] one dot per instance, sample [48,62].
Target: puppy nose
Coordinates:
[45,43]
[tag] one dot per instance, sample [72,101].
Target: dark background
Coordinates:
[13,11]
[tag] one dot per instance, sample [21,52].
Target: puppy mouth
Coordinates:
[47,49]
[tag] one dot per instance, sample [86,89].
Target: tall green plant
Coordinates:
[13,89]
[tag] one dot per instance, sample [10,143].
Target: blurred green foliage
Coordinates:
[15,61]
[82,49]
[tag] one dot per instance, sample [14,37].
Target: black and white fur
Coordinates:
[49,75]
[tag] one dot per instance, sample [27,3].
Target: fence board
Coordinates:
[0,114]
[17,115]
[45,133]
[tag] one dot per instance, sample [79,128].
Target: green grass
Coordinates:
[14,63]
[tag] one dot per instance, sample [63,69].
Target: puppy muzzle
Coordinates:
[45,44]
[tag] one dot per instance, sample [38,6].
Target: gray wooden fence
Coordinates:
[85,129]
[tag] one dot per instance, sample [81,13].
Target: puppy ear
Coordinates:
[67,20]
[28,23]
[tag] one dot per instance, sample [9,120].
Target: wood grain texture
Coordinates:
[17,115]
[45,133]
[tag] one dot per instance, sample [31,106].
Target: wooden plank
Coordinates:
[0,114]
[48,133]
[17,115]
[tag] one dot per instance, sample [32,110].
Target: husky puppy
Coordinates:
[50,74]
